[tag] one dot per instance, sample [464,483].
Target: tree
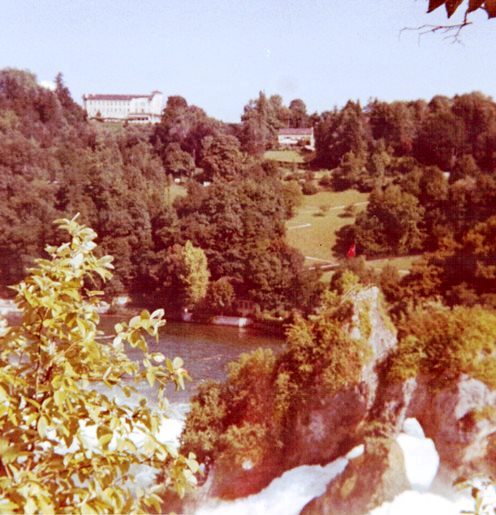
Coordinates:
[184,124]
[261,119]
[187,274]
[65,98]
[178,162]
[473,5]
[350,172]
[298,113]
[391,225]
[341,132]
[443,344]
[67,447]
[221,157]
[394,123]
[220,296]
[440,139]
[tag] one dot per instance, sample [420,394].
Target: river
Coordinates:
[205,349]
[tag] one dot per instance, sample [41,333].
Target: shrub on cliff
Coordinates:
[66,447]
[444,343]
[230,417]
[247,417]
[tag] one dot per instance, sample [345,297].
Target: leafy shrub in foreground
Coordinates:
[64,446]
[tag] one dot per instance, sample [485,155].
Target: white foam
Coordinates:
[412,427]
[286,495]
[421,457]
[413,503]
[355,452]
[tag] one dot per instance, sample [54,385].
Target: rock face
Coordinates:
[375,477]
[461,419]
[329,426]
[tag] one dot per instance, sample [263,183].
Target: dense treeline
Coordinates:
[430,169]
[54,163]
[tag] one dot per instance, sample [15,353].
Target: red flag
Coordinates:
[351,251]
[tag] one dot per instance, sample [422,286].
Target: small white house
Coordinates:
[294,137]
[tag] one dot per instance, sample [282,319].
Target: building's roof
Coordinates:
[98,96]
[296,132]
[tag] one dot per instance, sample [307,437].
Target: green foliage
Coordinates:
[205,422]
[230,418]
[67,447]
[443,343]
[309,188]
[244,444]
[240,227]
[176,161]
[459,272]
[261,119]
[344,280]
[350,211]
[186,275]
[221,157]
[391,224]
[185,125]
[194,274]
[248,416]
[220,296]
[54,162]
[298,114]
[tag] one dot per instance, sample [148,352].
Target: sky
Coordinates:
[219,54]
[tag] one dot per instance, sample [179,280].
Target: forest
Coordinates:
[428,167]
[196,217]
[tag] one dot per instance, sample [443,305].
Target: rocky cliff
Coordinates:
[329,410]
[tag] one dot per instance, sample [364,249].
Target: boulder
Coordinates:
[461,419]
[325,423]
[375,477]
[329,424]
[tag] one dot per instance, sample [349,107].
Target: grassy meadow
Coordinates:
[284,156]
[312,229]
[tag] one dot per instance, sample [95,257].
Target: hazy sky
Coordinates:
[218,54]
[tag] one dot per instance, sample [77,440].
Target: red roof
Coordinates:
[98,96]
[296,132]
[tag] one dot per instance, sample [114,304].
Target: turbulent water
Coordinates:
[290,492]
[206,350]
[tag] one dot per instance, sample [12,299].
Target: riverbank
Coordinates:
[274,327]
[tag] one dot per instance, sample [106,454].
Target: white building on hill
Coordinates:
[295,137]
[133,108]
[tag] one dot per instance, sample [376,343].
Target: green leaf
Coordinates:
[105,440]
[158,357]
[42,426]
[7,506]
[135,322]
[150,376]
[177,362]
